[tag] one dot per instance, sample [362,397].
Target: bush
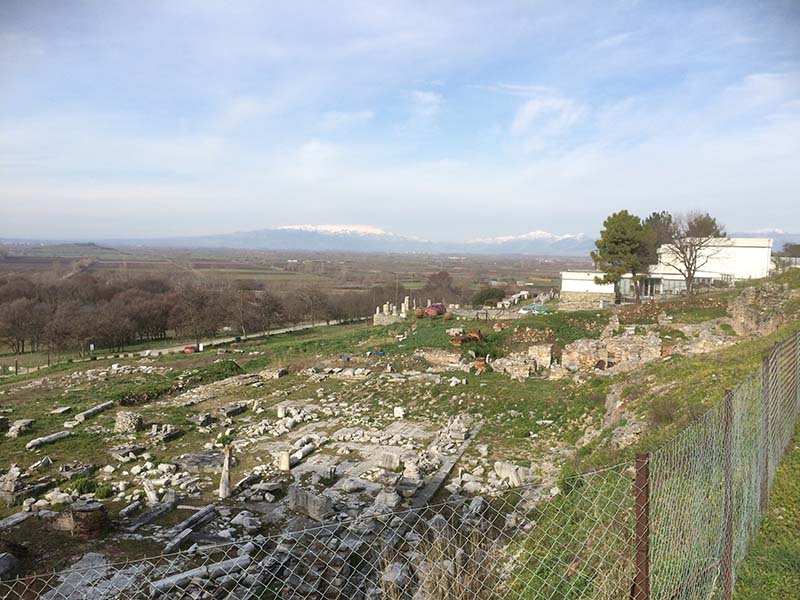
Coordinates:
[104,490]
[84,485]
[488,295]
[663,410]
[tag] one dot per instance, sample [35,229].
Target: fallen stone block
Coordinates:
[180,580]
[175,543]
[14,520]
[9,566]
[130,509]
[233,409]
[201,517]
[18,427]
[95,410]
[48,439]
[154,513]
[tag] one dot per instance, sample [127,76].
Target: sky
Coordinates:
[441,120]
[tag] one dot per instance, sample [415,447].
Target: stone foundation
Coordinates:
[569,301]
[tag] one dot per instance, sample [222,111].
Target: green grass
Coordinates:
[696,314]
[771,569]
[569,326]
[790,277]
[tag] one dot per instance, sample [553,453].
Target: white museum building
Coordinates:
[722,260]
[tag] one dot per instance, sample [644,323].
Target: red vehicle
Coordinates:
[189,350]
[436,309]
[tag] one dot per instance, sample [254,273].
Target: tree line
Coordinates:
[629,244]
[72,314]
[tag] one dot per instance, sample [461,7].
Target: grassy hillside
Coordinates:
[771,570]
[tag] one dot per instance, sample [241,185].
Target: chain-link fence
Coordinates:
[674,525]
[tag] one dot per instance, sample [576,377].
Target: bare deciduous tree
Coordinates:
[694,242]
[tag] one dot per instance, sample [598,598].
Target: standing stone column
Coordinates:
[225,476]
[283,461]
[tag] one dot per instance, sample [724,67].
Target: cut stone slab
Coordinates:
[234,409]
[390,461]
[274,373]
[14,520]
[60,410]
[123,453]
[314,506]
[201,462]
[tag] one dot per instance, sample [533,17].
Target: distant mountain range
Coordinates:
[779,237]
[367,238]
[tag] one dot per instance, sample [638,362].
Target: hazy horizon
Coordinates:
[445,122]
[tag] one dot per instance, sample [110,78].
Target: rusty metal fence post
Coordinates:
[727,495]
[765,432]
[641,490]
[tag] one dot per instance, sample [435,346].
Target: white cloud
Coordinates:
[763,90]
[539,121]
[426,104]
[613,41]
[337,121]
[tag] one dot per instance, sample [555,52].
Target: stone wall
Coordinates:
[759,310]
[584,301]
[633,350]
[542,354]
[382,319]
[585,355]
[622,352]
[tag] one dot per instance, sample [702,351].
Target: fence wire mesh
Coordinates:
[674,525]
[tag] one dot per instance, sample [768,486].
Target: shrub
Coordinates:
[663,410]
[488,295]
[84,485]
[104,490]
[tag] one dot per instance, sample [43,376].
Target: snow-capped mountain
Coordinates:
[779,237]
[338,229]
[348,238]
[369,238]
[534,242]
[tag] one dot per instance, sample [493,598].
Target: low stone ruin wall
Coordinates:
[584,301]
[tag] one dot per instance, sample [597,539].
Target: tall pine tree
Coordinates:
[623,248]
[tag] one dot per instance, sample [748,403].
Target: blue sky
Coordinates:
[444,120]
